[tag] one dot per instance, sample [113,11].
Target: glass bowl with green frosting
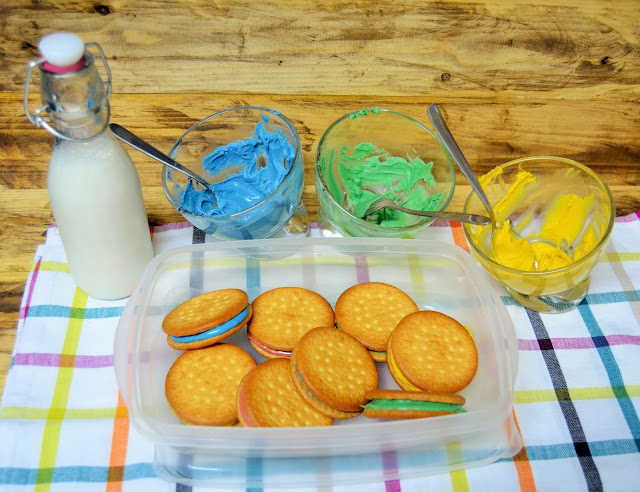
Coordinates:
[375,152]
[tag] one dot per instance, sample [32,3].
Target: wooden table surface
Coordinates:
[513,79]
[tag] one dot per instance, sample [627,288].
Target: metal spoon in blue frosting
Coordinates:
[146,148]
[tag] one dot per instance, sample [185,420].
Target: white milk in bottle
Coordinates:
[94,188]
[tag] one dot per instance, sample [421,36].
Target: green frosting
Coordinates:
[364,112]
[431,406]
[359,176]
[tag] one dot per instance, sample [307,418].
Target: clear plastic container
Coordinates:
[436,275]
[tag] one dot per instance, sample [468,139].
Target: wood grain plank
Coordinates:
[552,50]
[599,135]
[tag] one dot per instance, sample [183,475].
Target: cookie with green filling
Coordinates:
[398,404]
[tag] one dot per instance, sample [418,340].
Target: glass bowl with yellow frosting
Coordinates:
[552,219]
[376,152]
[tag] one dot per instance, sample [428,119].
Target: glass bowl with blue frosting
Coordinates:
[252,158]
[373,153]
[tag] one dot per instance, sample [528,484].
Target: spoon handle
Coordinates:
[137,143]
[460,217]
[449,142]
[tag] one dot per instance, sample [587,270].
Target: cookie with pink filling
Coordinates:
[267,398]
[370,311]
[202,384]
[281,316]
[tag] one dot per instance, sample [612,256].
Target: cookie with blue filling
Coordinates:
[207,319]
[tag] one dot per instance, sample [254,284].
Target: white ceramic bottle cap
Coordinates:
[61,50]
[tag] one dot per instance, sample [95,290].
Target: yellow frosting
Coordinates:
[516,194]
[590,240]
[563,222]
[549,257]
[396,371]
[510,250]
[566,217]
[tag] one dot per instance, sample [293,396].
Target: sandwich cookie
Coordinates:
[370,311]
[333,371]
[397,404]
[267,398]
[207,319]
[282,315]
[201,385]
[429,351]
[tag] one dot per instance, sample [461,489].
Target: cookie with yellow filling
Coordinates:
[398,404]
[370,311]
[333,371]
[201,384]
[281,316]
[432,352]
[266,398]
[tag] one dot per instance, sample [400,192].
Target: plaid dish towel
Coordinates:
[64,425]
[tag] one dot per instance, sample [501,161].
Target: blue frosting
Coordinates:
[252,169]
[200,201]
[214,332]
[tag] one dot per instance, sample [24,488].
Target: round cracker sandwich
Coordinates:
[398,404]
[282,315]
[370,311]
[266,398]
[430,351]
[333,371]
[207,319]
[201,385]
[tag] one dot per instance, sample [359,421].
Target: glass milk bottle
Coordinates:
[94,188]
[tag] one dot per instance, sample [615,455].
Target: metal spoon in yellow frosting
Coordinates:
[450,144]
[510,241]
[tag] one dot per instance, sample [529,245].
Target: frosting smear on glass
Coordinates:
[362,174]
[242,173]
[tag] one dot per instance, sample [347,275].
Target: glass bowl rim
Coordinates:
[420,225]
[588,256]
[174,147]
